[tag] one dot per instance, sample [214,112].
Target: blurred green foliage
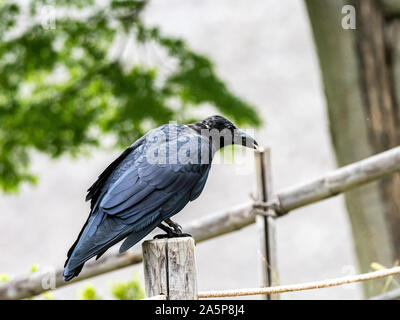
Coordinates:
[130,290]
[61,89]
[34,268]
[391,282]
[88,293]
[3,277]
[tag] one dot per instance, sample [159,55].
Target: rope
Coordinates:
[302,286]
[269,208]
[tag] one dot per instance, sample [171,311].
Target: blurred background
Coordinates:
[80,80]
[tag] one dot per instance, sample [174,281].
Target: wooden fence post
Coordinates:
[266,222]
[170,268]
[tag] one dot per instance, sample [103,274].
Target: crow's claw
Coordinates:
[162,236]
[182,235]
[172,235]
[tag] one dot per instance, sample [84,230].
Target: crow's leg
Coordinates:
[169,232]
[174,232]
[177,228]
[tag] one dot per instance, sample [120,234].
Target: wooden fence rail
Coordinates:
[211,226]
[339,181]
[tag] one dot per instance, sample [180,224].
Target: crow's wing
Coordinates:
[141,198]
[111,173]
[137,203]
[146,187]
[96,189]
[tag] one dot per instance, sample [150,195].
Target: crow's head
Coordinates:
[229,134]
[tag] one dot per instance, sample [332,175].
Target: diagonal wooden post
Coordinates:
[266,222]
[170,268]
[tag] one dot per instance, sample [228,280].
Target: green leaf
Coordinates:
[131,290]
[4,277]
[88,293]
[61,92]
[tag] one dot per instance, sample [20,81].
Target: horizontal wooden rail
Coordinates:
[339,181]
[214,225]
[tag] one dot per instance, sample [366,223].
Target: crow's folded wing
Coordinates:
[111,173]
[146,187]
[94,192]
[144,196]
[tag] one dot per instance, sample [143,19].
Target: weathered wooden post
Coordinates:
[170,268]
[266,221]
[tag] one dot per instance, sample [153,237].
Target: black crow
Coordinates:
[147,184]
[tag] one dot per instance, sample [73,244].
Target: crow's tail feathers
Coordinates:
[134,238]
[69,274]
[97,237]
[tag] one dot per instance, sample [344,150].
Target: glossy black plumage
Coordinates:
[135,194]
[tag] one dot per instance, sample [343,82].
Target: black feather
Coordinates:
[95,190]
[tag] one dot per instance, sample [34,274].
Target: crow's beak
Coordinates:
[245,140]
